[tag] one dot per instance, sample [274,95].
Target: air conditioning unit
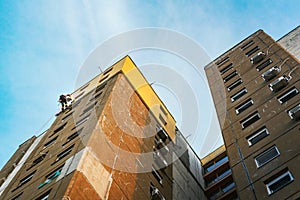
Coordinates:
[279,83]
[294,113]
[258,57]
[271,73]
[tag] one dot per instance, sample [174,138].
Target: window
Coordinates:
[85,86]
[51,176]
[26,179]
[79,95]
[163,110]
[234,85]
[100,87]
[38,160]
[243,106]
[64,153]
[58,129]
[225,69]
[162,134]
[90,107]
[250,120]
[157,176]
[238,95]
[73,136]
[288,95]
[18,197]
[264,64]
[44,196]
[279,181]
[257,136]
[222,61]
[248,44]
[49,143]
[107,71]
[216,164]
[230,76]
[82,120]
[162,120]
[266,156]
[252,51]
[102,79]
[67,116]
[228,187]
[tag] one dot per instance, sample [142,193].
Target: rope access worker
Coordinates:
[64,99]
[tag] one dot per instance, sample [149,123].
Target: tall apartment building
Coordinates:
[217,175]
[255,87]
[291,42]
[116,141]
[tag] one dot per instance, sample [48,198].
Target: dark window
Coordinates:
[58,129]
[50,142]
[162,119]
[287,95]
[64,153]
[252,51]
[294,113]
[278,182]
[26,179]
[234,85]
[230,76]
[238,95]
[102,79]
[18,197]
[257,136]
[225,69]
[222,61]
[215,164]
[157,176]
[243,106]
[248,44]
[264,64]
[83,120]
[44,196]
[79,95]
[90,107]
[73,136]
[99,88]
[266,156]
[107,71]
[38,160]
[250,120]
[163,110]
[67,116]
[54,174]
[85,86]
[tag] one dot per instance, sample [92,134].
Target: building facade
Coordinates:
[217,175]
[255,88]
[117,140]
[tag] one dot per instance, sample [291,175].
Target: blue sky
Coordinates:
[44,43]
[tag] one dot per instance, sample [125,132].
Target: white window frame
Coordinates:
[286,94]
[259,132]
[249,118]
[258,165]
[245,105]
[278,179]
[234,85]
[236,96]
